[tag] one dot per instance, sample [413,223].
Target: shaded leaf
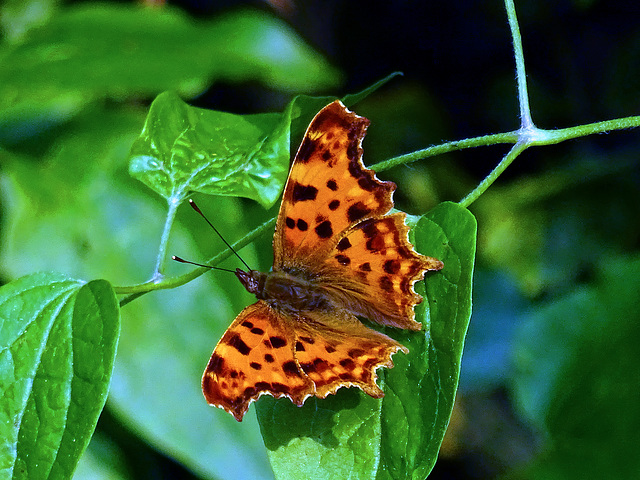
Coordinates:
[58,342]
[103,460]
[165,345]
[577,377]
[93,219]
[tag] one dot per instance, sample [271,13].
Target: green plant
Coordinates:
[59,334]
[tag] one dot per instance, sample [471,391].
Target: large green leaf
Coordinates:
[58,340]
[422,388]
[183,149]
[351,435]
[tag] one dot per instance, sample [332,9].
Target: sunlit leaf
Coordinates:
[57,341]
[183,149]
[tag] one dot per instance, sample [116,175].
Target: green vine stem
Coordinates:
[136,291]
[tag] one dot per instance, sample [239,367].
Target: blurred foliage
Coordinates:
[548,388]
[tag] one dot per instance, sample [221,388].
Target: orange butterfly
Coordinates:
[337,254]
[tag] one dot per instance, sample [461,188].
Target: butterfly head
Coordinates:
[252,280]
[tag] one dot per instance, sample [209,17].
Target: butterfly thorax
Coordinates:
[284,291]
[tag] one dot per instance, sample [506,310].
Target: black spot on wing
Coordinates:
[386,284]
[391,266]
[343,259]
[307,148]
[290,368]
[343,244]
[302,225]
[324,229]
[303,193]
[216,364]
[357,211]
[277,342]
[236,342]
[348,364]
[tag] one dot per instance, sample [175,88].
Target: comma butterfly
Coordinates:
[338,254]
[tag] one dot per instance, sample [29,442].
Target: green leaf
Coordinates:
[58,341]
[421,389]
[89,51]
[577,380]
[48,200]
[397,437]
[183,149]
[17,17]
[337,437]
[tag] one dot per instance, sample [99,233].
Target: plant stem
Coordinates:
[526,121]
[495,173]
[508,137]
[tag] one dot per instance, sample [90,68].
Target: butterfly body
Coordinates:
[284,291]
[338,255]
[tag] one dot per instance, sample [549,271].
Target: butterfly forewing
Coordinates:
[328,189]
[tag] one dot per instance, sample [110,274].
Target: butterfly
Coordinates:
[338,255]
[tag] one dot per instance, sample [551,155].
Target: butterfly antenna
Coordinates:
[182,260]
[195,207]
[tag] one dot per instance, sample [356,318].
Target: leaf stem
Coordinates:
[173,204]
[495,173]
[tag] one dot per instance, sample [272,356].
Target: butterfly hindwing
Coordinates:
[337,351]
[375,262]
[254,356]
